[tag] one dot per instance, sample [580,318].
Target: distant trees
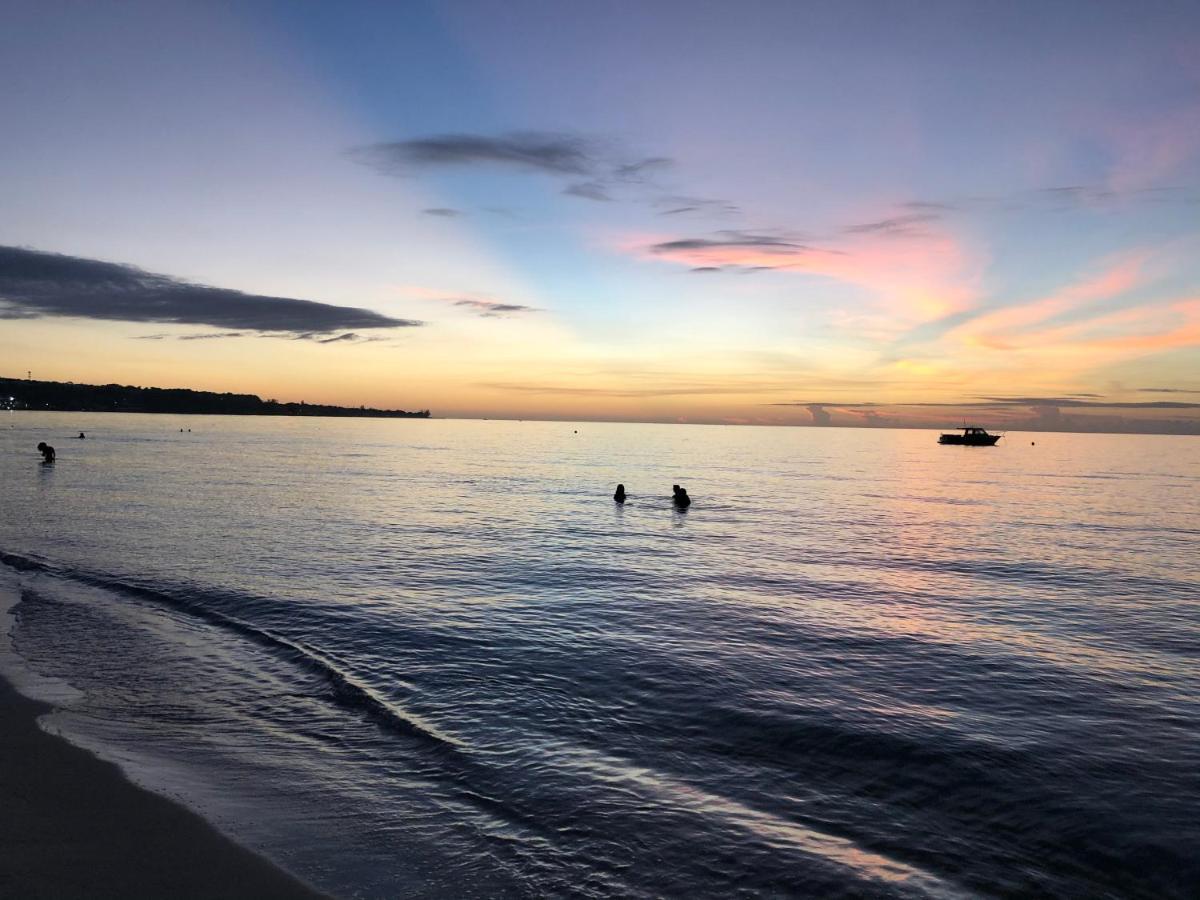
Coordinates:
[67,396]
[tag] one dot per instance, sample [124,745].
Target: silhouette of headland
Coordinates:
[70,397]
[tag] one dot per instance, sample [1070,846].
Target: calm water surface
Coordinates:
[432,658]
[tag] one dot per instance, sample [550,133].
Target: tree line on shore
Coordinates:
[19,393]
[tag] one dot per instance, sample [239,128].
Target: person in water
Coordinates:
[682,500]
[619,496]
[82,436]
[47,452]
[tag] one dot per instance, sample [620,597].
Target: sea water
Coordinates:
[434,659]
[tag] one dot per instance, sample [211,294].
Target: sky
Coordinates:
[834,213]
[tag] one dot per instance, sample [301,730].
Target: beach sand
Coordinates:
[71,825]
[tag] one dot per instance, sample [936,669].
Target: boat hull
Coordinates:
[972,441]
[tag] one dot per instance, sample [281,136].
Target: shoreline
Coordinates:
[75,826]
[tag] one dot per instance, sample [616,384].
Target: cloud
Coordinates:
[736,251]
[730,239]
[1163,390]
[823,403]
[1076,195]
[1072,403]
[207,336]
[683,204]
[1061,198]
[557,154]
[588,190]
[896,225]
[666,390]
[1042,320]
[443,212]
[928,206]
[914,282]
[315,336]
[998,402]
[35,284]
[349,337]
[598,169]
[872,416]
[1026,413]
[1003,402]
[1114,313]
[491,309]
[868,413]
[642,171]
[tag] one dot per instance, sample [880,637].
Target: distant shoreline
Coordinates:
[59,396]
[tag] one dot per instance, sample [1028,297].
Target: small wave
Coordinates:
[768,828]
[347,690]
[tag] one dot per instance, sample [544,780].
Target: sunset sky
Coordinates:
[808,213]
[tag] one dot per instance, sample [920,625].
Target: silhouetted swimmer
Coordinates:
[619,496]
[47,452]
[82,436]
[682,500]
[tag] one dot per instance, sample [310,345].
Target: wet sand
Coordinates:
[72,826]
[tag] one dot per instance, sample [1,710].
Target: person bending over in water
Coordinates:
[682,500]
[47,452]
[619,496]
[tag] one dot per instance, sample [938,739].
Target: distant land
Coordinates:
[20,393]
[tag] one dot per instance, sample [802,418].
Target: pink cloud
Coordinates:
[1128,333]
[1005,329]
[915,278]
[1165,327]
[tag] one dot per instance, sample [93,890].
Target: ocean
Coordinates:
[410,658]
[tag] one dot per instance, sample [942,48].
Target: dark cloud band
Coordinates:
[985,403]
[725,239]
[558,154]
[594,169]
[35,284]
[896,225]
[491,309]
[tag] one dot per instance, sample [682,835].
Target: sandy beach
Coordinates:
[73,826]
